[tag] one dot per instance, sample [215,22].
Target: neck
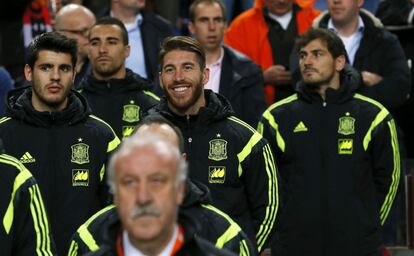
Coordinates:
[193,110]
[121,74]
[155,247]
[334,84]
[347,28]
[213,55]
[125,15]
[42,107]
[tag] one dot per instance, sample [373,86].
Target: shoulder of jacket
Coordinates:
[370,104]
[101,124]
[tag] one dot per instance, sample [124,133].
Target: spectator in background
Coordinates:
[396,12]
[232,74]
[6,84]
[145,31]
[266,34]
[371,49]
[74,21]
[230,5]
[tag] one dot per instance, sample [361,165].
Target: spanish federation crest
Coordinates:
[218,150]
[80,153]
[346,125]
[131,113]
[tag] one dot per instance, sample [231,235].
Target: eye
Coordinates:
[66,68]
[93,43]
[168,70]
[113,42]
[45,67]
[188,67]
[158,181]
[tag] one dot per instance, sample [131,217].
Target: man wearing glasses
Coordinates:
[74,21]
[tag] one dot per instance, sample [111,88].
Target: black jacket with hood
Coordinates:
[66,151]
[120,102]
[340,168]
[210,224]
[234,161]
[25,226]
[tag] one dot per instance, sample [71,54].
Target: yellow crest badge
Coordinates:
[80,153]
[80,177]
[216,174]
[346,125]
[345,146]
[131,113]
[218,150]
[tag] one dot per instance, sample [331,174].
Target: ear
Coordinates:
[340,63]
[160,80]
[360,3]
[127,50]
[28,72]
[206,76]
[191,27]
[180,192]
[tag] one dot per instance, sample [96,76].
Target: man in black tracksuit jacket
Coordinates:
[212,225]
[49,128]
[246,164]
[22,212]
[115,93]
[66,152]
[338,158]
[120,102]
[223,152]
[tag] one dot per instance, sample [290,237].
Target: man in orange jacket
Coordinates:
[266,33]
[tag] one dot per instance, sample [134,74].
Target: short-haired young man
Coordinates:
[49,128]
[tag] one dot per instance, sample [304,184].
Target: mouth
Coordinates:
[103,59]
[54,88]
[180,89]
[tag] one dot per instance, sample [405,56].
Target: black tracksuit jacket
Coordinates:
[22,212]
[120,102]
[66,151]
[211,224]
[234,161]
[340,169]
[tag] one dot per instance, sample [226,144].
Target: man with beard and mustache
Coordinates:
[337,153]
[49,128]
[147,176]
[115,93]
[224,153]
[211,223]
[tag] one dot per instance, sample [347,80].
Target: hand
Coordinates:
[370,79]
[277,75]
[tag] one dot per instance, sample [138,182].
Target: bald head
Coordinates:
[74,21]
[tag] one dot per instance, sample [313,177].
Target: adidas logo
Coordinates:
[27,158]
[300,127]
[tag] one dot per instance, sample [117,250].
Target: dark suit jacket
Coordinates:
[242,83]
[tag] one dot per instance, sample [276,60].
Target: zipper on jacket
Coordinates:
[190,139]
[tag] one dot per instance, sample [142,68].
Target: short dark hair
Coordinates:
[158,119]
[183,43]
[334,44]
[51,41]
[194,5]
[108,20]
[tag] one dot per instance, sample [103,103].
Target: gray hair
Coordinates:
[154,141]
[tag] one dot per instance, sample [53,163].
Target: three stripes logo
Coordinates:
[300,127]
[27,158]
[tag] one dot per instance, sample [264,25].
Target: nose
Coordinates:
[178,76]
[55,74]
[102,48]
[143,196]
[211,25]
